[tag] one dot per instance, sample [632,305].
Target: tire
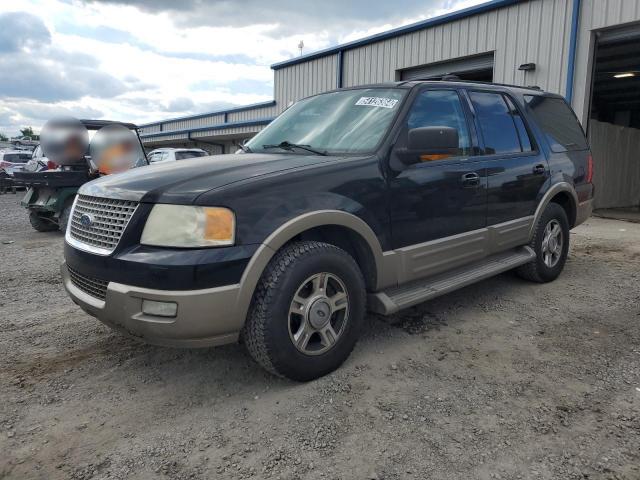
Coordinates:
[546,267]
[63,219]
[41,223]
[300,346]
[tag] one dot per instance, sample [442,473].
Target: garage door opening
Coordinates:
[477,68]
[614,126]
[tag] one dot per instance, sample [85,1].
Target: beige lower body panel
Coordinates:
[441,255]
[204,318]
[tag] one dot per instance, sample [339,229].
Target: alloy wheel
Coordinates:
[552,243]
[318,313]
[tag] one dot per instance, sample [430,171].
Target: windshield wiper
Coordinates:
[285,145]
[244,148]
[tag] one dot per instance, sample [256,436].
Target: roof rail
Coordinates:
[455,78]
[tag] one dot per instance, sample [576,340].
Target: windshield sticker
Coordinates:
[377,102]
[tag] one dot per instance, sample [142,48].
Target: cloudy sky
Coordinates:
[147,60]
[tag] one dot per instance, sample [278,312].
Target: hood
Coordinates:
[183,181]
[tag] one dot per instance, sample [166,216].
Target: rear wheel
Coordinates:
[550,243]
[42,223]
[307,311]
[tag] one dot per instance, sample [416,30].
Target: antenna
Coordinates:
[301,46]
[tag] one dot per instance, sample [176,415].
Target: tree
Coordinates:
[27,132]
[3,137]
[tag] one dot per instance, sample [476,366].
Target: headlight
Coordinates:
[189,226]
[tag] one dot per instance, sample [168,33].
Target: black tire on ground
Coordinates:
[41,223]
[63,219]
[269,330]
[538,270]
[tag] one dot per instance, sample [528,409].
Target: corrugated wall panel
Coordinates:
[616,166]
[301,80]
[535,31]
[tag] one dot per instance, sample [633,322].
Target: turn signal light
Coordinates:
[219,224]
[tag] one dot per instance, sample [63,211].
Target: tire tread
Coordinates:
[254,332]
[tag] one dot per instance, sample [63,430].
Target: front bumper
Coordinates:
[206,317]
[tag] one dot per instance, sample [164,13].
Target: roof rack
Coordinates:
[454,78]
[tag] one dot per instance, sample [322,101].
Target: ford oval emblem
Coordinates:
[86,220]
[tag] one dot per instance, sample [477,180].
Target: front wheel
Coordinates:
[550,243]
[307,311]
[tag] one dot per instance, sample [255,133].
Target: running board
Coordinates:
[393,299]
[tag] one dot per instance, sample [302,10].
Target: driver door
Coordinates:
[438,206]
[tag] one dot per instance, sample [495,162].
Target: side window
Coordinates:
[558,122]
[496,124]
[440,108]
[523,134]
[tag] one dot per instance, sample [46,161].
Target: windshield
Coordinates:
[348,121]
[189,154]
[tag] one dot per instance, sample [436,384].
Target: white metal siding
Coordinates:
[303,79]
[536,31]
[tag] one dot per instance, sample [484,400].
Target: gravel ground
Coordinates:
[504,379]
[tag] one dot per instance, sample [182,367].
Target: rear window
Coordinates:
[558,122]
[17,157]
[183,155]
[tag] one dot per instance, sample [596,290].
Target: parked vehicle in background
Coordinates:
[376,197]
[39,162]
[51,192]
[172,154]
[24,142]
[12,161]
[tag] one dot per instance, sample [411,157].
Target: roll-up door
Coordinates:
[478,67]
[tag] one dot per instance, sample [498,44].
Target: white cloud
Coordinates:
[160,59]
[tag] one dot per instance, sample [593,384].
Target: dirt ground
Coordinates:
[501,380]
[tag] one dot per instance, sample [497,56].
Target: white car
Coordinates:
[172,154]
[12,161]
[39,162]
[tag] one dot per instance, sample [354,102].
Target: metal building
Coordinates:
[586,50]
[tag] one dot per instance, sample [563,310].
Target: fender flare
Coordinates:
[546,199]
[294,227]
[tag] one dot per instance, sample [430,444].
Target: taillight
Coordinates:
[4,164]
[51,165]
[589,177]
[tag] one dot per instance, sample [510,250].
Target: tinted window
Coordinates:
[183,155]
[441,108]
[17,157]
[523,134]
[558,122]
[497,125]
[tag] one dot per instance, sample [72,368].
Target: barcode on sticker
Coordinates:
[377,102]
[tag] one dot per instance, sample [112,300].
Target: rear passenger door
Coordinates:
[516,168]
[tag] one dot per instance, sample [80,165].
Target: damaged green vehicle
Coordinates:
[50,193]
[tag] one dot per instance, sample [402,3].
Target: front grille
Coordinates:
[108,219]
[93,286]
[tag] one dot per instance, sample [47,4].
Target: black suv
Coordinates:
[376,197]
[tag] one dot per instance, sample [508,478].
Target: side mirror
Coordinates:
[431,141]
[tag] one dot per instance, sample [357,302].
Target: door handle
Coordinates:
[470,180]
[539,169]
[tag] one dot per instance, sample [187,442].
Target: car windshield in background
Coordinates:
[17,157]
[184,155]
[348,121]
